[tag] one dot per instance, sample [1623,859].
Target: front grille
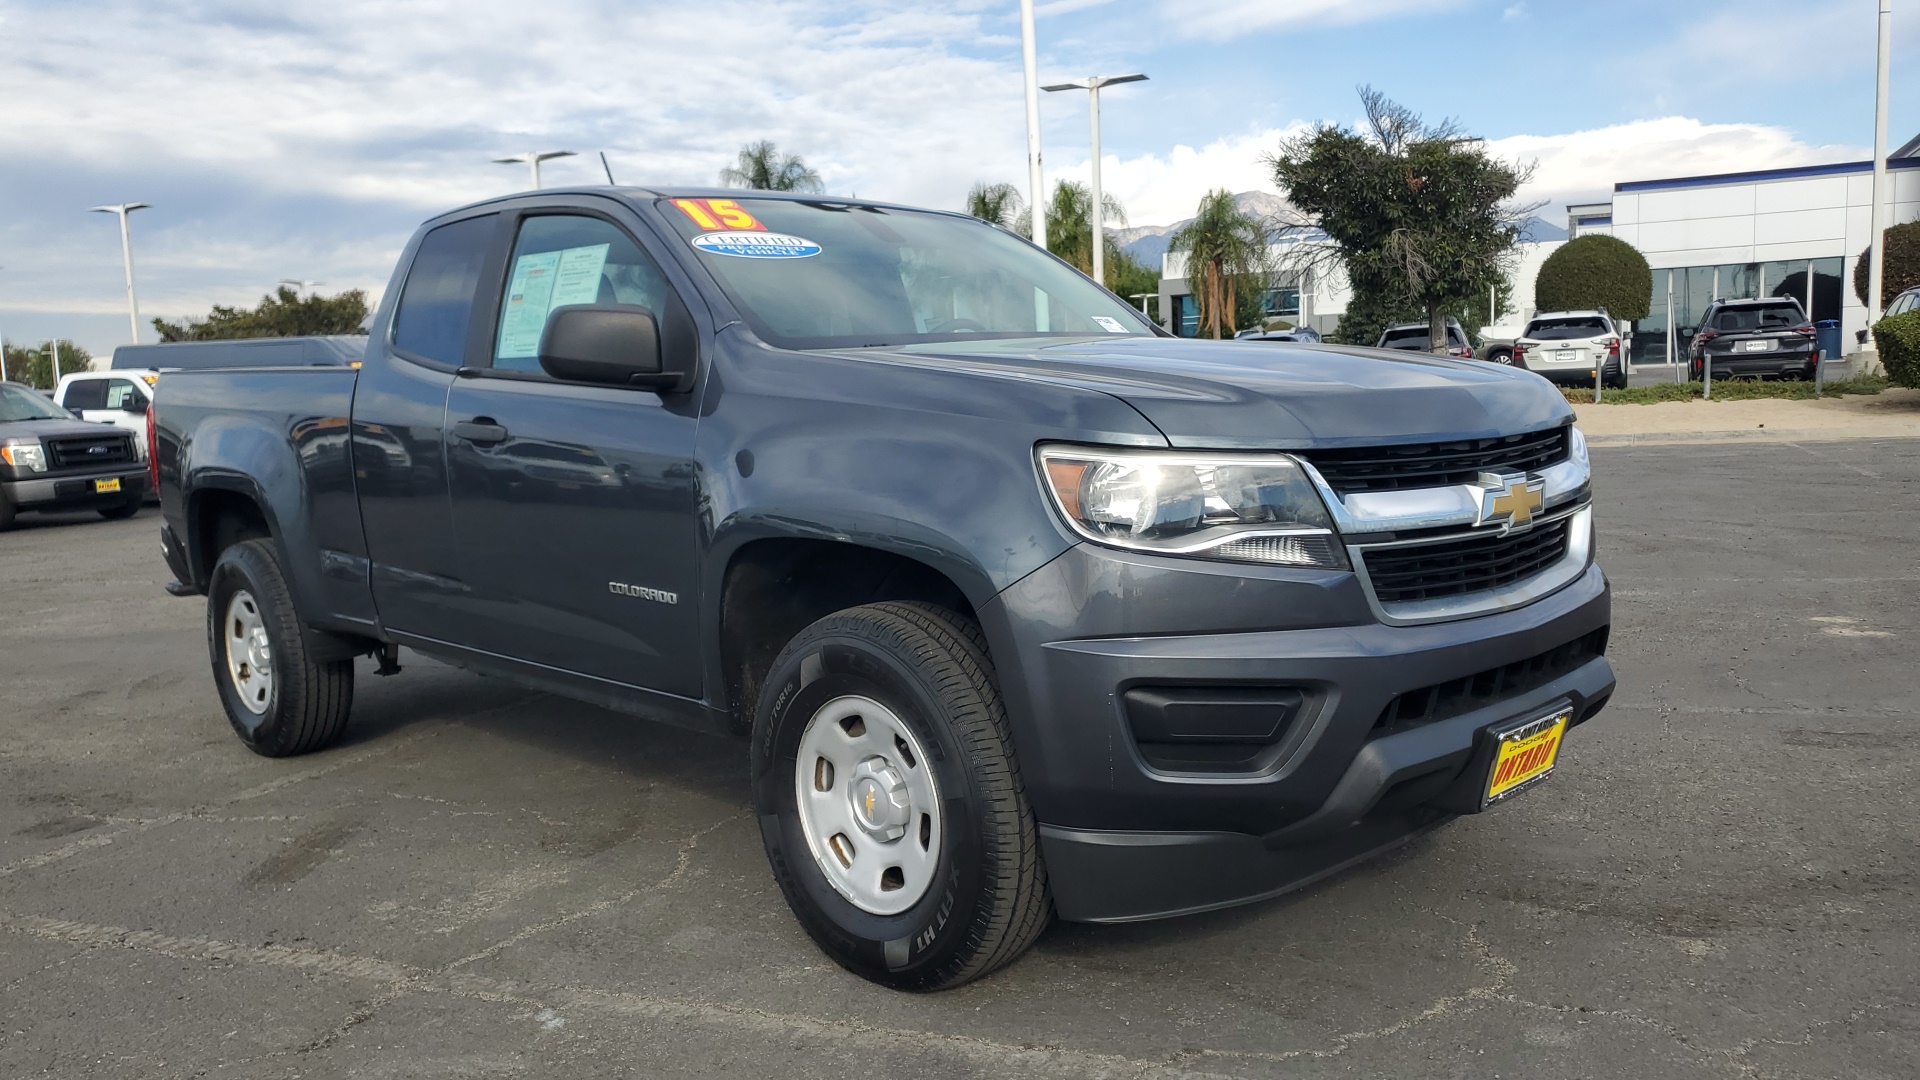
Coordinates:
[1457,567]
[1457,697]
[1442,464]
[90,451]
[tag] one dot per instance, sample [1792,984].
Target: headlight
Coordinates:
[24,454]
[1256,508]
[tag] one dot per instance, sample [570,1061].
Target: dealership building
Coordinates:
[1730,235]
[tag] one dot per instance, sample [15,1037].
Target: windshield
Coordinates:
[1565,329]
[822,275]
[17,404]
[1757,317]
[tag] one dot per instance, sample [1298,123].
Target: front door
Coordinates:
[575,508]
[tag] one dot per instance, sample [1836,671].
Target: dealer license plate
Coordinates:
[107,485]
[1756,346]
[1566,356]
[1526,754]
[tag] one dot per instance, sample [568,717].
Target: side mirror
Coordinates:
[608,344]
[138,405]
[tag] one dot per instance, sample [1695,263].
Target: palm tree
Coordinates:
[998,203]
[1226,250]
[762,166]
[1070,225]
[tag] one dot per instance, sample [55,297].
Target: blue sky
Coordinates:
[305,141]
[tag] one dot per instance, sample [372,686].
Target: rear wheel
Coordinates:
[890,803]
[279,700]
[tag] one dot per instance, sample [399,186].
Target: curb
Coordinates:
[1759,434]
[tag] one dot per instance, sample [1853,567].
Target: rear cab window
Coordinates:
[436,304]
[84,394]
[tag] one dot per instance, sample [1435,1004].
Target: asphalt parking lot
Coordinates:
[1722,879]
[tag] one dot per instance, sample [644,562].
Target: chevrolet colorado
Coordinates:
[1025,608]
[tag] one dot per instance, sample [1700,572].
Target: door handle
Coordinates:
[481,430]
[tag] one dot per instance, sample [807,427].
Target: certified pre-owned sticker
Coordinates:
[756,245]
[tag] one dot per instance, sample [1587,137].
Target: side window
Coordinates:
[563,259]
[437,302]
[86,394]
[121,394]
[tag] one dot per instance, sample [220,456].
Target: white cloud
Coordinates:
[1584,165]
[1222,19]
[1158,189]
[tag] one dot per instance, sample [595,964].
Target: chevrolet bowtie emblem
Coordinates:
[1511,500]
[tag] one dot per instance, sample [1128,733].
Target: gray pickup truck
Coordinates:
[1025,608]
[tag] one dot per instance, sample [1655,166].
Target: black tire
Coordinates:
[7,512]
[1500,356]
[122,510]
[307,702]
[988,898]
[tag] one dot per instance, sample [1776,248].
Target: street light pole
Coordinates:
[1036,180]
[1875,252]
[1092,85]
[126,253]
[532,159]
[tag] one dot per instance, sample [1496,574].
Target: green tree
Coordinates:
[1227,262]
[284,313]
[1070,226]
[764,167]
[34,366]
[1128,277]
[1000,204]
[1899,265]
[1418,213]
[1595,271]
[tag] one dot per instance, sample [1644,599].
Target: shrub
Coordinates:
[1595,271]
[1898,339]
[1723,390]
[1899,268]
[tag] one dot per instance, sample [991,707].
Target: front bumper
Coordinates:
[76,492]
[1126,840]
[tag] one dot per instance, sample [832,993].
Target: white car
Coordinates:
[1568,346]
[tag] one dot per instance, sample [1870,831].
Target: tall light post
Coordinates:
[1875,251]
[1092,85]
[1036,182]
[126,252]
[532,159]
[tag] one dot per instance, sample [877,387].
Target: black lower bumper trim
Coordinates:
[1132,877]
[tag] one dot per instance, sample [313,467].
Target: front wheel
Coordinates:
[279,700]
[122,510]
[889,800]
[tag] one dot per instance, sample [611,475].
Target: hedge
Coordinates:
[1898,339]
[1900,266]
[1595,271]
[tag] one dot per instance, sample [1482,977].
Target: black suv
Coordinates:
[1766,339]
[51,461]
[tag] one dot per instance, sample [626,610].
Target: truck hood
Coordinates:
[1244,395]
[55,429]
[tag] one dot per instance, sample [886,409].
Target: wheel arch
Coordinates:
[770,587]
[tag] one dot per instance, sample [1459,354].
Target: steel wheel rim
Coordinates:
[249,653]
[869,805]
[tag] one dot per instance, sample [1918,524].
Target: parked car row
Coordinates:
[53,455]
